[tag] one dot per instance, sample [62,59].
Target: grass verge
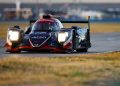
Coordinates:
[83,70]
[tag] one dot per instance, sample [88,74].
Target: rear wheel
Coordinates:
[82,50]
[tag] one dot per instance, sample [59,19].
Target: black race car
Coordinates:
[48,34]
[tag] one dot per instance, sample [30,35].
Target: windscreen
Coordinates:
[45,26]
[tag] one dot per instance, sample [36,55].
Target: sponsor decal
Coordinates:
[38,37]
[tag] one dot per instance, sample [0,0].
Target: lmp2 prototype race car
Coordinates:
[48,34]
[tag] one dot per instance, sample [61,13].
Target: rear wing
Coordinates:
[85,21]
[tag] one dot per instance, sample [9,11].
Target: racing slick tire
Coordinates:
[70,51]
[82,50]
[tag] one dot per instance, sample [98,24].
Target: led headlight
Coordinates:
[62,36]
[82,37]
[13,35]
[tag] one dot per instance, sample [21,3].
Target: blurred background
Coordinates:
[24,10]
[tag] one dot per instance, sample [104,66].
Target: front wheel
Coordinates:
[10,51]
[70,51]
[82,50]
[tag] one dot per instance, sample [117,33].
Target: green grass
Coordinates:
[95,27]
[83,70]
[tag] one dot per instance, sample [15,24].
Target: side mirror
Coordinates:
[75,27]
[17,27]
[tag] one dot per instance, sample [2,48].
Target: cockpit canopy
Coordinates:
[45,26]
[47,23]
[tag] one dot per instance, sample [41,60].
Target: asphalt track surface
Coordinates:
[101,43]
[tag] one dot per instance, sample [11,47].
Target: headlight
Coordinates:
[82,37]
[62,36]
[13,35]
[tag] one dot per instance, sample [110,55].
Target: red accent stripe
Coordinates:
[68,46]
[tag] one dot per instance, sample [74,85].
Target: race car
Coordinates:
[48,34]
